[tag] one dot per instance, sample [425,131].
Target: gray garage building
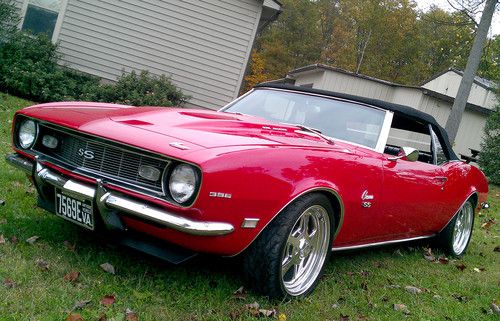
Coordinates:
[204,45]
[434,97]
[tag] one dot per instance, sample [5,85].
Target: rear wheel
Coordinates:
[456,236]
[288,258]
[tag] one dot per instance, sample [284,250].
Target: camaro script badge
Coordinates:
[88,154]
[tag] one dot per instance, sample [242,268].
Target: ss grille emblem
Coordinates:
[87,154]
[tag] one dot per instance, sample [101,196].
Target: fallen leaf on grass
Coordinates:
[81,304]
[401,307]
[460,266]
[13,240]
[496,249]
[428,255]
[479,270]
[32,239]
[74,317]
[364,273]
[2,239]
[413,289]
[102,317]
[443,260]
[9,284]
[495,308]
[42,264]
[240,294]
[378,265]
[108,268]
[108,300]
[3,221]
[344,317]
[282,317]
[460,298]
[267,313]
[72,276]
[236,314]
[131,315]
[70,246]
[488,224]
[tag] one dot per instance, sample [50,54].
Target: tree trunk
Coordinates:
[460,102]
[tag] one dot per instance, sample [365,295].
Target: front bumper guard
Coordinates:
[107,200]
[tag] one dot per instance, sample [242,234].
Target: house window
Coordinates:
[41,16]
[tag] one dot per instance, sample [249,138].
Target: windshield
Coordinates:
[339,119]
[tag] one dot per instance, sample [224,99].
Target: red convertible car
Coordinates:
[283,175]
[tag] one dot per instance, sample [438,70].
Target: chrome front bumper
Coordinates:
[107,200]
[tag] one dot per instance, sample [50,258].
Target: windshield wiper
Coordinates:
[314,131]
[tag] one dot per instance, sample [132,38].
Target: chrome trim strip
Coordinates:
[456,212]
[384,132]
[354,247]
[165,218]
[325,189]
[112,200]
[20,163]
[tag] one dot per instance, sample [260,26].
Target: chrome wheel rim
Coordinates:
[305,250]
[463,228]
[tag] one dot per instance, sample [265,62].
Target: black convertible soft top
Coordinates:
[401,110]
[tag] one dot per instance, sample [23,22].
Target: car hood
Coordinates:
[159,126]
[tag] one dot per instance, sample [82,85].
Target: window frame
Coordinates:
[435,136]
[59,21]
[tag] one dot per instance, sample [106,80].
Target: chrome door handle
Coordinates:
[442,179]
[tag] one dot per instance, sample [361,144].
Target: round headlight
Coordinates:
[182,183]
[27,133]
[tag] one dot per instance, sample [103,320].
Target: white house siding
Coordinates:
[203,45]
[448,83]
[471,128]
[314,78]
[348,84]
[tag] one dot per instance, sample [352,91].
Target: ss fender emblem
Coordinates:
[87,154]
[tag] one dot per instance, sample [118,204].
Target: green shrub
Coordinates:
[9,18]
[489,159]
[143,89]
[28,68]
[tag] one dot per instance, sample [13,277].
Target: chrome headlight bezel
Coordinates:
[23,129]
[183,173]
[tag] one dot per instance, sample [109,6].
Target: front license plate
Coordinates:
[75,210]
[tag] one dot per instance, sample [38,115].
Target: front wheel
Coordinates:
[456,236]
[288,258]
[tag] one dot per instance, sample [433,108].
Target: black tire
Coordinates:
[449,239]
[262,262]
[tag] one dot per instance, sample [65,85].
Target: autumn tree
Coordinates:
[257,73]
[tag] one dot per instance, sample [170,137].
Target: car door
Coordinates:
[413,191]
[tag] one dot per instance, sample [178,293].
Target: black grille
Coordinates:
[109,161]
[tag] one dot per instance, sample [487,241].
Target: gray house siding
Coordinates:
[204,45]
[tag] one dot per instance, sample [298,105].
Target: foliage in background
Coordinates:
[28,68]
[490,147]
[143,89]
[9,19]
[257,72]
[391,39]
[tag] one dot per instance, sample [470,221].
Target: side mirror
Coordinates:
[411,154]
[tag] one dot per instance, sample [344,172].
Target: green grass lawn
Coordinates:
[363,285]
